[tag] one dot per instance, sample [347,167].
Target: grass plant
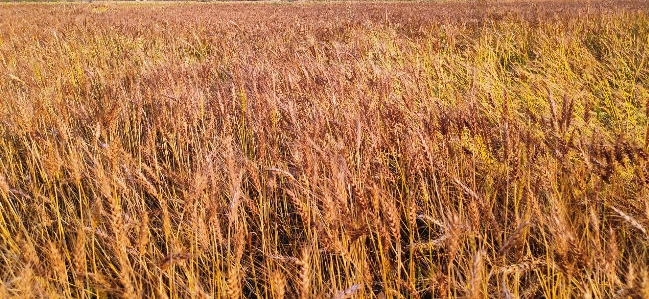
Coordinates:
[366,150]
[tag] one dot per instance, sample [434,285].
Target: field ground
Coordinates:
[365,150]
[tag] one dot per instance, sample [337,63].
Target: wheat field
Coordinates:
[324,150]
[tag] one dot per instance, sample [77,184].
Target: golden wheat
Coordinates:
[324,150]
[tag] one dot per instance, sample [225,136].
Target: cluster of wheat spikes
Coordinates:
[324,150]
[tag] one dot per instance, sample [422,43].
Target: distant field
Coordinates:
[311,150]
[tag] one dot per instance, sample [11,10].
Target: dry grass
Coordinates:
[324,151]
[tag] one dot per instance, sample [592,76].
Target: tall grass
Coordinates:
[324,151]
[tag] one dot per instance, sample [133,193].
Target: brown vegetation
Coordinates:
[324,150]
